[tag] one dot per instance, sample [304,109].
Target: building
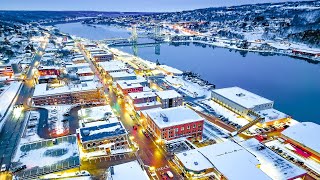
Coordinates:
[103,135]
[111,66]
[131,169]
[78,59]
[241,100]
[143,100]
[47,79]
[226,160]
[10,67]
[85,93]
[248,105]
[126,87]
[169,98]
[172,123]
[93,114]
[85,72]
[48,70]
[102,56]
[123,75]
[75,67]
[303,138]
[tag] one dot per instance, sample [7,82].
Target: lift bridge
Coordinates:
[133,40]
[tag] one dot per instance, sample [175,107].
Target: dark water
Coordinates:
[293,84]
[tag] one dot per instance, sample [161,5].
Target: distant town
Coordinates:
[76,108]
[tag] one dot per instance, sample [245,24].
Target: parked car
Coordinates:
[3,167]
[19,168]
[169,173]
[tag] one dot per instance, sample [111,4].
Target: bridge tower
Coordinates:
[157,32]
[134,34]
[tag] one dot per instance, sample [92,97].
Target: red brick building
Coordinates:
[172,123]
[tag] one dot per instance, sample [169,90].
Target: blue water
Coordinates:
[293,84]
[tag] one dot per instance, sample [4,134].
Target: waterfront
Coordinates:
[293,84]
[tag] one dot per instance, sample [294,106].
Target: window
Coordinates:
[182,128]
[194,126]
[177,129]
[188,127]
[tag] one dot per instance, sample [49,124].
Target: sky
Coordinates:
[122,5]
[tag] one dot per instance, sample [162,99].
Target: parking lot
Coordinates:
[44,157]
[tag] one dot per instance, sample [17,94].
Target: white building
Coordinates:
[169,98]
[129,170]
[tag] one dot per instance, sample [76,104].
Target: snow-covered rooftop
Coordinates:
[233,161]
[139,80]
[111,66]
[43,90]
[173,116]
[242,97]
[139,95]
[129,170]
[168,94]
[194,160]
[103,131]
[84,70]
[78,65]
[272,115]
[305,133]
[127,85]
[121,74]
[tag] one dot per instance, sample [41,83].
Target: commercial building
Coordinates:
[48,70]
[103,136]
[170,70]
[84,93]
[101,56]
[143,100]
[226,160]
[111,66]
[173,123]
[47,79]
[169,98]
[248,104]
[123,75]
[127,87]
[127,171]
[85,72]
[303,137]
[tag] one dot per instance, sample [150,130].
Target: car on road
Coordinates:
[3,167]
[163,175]
[145,133]
[169,173]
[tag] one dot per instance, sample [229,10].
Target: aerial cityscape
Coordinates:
[150,90]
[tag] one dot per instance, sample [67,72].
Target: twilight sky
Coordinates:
[122,5]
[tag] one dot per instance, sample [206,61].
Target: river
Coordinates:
[294,84]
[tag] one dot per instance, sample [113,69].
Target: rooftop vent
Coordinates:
[196,163]
[164,117]
[86,132]
[240,94]
[185,154]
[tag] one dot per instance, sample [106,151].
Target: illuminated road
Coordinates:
[149,152]
[14,125]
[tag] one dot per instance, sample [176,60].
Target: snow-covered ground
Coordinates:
[308,162]
[190,88]
[56,117]
[30,134]
[45,155]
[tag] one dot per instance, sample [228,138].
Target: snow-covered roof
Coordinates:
[272,164]
[78,65]
[242,97]
[173,116]
[272,115]
[139,80]
[84,70]
[42,90]
[305,133]
[129,170]
[139,95]
[121,74]
[103,131]
[233,161]
[110,66]
[86,78]
[127,85]
[193,160]
[168,94]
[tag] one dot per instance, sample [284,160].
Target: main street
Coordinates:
[15,122]
[150,153]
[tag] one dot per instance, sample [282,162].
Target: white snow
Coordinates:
[7,96]
[130,170]
[168,94]
[305,133]
[194,160]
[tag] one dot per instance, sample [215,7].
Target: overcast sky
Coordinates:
[122,5]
